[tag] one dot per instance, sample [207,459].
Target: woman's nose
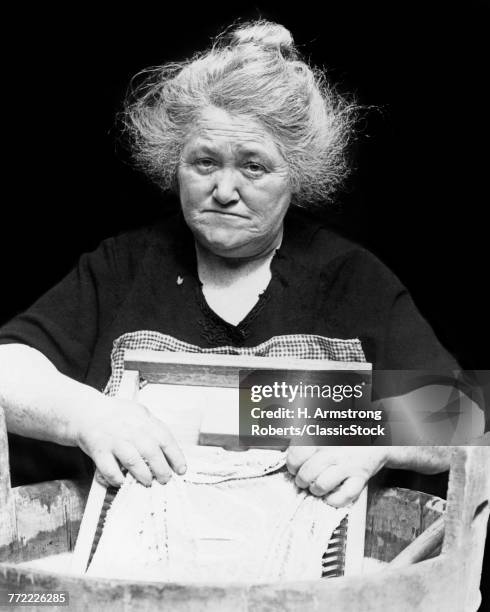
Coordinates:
[226,188]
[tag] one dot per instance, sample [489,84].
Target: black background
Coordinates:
[418,198]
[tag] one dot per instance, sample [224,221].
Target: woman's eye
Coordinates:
[205,164]
[255,169]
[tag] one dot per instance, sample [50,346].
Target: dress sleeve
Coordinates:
[411,356]
[410,343]
[399,342]
[65,323]
[371,300]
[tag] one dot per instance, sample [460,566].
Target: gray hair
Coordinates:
[253,70]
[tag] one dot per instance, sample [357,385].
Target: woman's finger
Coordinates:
[348,492]
[169,446]
[328,480]
[297,455]
[313,467]
[153,456]
[108,471]
[100,479]
[131,459]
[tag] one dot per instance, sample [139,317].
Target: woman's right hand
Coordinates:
[124,433]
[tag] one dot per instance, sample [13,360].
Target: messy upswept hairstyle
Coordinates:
[252,70]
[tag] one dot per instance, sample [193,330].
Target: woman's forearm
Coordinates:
[426,444]
[40,402]
[423,459]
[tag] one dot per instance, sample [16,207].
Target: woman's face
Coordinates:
[234,185]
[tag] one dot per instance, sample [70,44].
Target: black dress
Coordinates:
[328,296]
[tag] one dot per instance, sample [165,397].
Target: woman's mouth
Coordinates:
[225,213]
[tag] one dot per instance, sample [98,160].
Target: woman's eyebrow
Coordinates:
[253,149]
[203,147]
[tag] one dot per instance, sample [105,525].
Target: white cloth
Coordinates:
[233,517]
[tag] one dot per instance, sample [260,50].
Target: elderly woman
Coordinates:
[248,135]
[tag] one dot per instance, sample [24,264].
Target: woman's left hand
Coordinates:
[337,472]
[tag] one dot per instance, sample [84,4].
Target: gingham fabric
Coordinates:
[299,346]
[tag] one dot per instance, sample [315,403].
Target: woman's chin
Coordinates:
[224,245]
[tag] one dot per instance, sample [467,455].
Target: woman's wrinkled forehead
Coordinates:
[219,128]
